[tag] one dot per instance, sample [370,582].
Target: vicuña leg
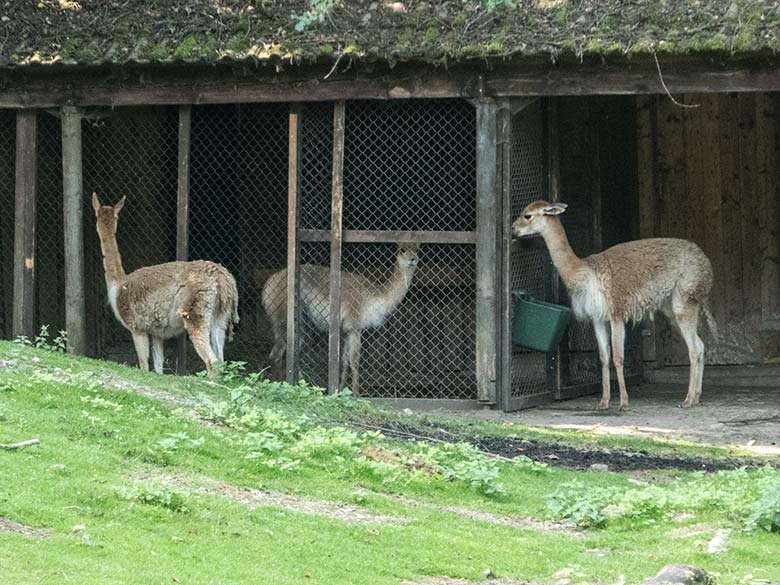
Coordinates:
[279,349]
[141,343]
[688,321]
[618,348]
[217,337]
[200,340]
[158,355]
[602,338]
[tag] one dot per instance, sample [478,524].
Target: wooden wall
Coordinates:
[711,174]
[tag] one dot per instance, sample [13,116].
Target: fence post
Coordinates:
[293,256]
[504,239]
[24,216]
[183,215]
[487,248]
[336,234]
[73,222]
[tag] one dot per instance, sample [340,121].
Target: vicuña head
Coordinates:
[537,218]
[408,255]
[106,215]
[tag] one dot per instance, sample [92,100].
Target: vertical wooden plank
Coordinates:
[751,212]
[487,204]
[731,227]
[645,177]
[710,216]
[674,193]
[768,188]
[336,232]
[183,214]
[24,217]
[293,256]
[504,237]
[73,217]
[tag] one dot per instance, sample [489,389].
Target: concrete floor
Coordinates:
[739,415]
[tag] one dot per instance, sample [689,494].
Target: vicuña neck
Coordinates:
[567,263]
[396,288]
[112,259]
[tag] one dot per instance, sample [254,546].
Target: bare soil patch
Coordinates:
[16,528]
[566,455]
[511,521]
[254,498]
[451,581]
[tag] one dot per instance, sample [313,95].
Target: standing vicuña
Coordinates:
[365,304]
[625,283]
[162,301]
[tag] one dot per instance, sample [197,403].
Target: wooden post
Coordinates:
[504,238]
[487,206]
[293,256]
[554,370]
[336,227]
[73,218]
[24,218]
[183,215]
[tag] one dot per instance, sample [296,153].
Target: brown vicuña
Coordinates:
[625,283]
[159,302]
[365,304]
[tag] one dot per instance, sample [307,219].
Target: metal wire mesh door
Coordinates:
[409,175]
[7,178]
[529,262]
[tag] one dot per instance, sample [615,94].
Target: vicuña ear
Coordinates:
[118,206]
[95,202]
[555,209]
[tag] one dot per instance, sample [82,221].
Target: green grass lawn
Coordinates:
[135,481]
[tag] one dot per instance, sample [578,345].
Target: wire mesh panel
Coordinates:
[238,209]
[7,179]
[49,245]
[530,262]
[132,152]
[410,165]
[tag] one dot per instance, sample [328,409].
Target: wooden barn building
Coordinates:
[270,134]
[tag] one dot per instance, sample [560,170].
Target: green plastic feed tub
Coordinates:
[536,324]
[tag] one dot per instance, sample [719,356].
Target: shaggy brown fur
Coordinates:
[159,302]
[365,304]
[626,283]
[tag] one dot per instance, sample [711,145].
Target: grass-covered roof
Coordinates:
[121,31]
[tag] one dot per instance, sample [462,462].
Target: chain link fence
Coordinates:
[7,179]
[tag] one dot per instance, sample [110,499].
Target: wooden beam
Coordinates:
[486,257]
[293,255]
[183,215]
[24,218]
[504,236]
[390,237]
[336,226]
[131,85]
[73,217]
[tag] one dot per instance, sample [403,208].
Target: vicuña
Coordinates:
[625,283]
[365,304]
[159,302]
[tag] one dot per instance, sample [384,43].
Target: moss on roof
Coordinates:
[108,31]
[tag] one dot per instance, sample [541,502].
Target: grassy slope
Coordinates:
[90,450]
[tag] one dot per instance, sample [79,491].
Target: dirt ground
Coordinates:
[745,417]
